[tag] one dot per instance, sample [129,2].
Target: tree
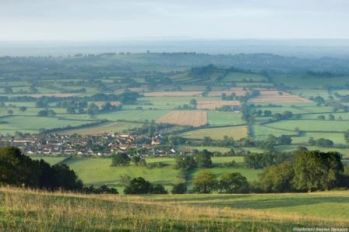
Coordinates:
[233,183]
[315,170]
[185,162]
[158,189]
[19,170]
[277,178]
[284,140]
[138,160]
[204,182]
[193,103]
[203,159]
[120,159]
[180,188]
[138,186]
[92,109]
[346,136]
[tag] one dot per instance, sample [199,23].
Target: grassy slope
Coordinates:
[40,211]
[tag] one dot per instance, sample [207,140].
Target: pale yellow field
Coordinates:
[215,104]
[274,96]
[236,132]
[185,118]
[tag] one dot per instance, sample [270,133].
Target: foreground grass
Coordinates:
[25,210]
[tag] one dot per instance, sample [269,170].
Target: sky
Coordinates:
[114,20]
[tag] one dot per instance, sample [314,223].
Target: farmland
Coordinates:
[166,111]
[186,118]
[213,100]
[236,132]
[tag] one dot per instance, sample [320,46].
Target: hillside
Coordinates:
[27,210]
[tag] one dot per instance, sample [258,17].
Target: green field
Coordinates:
[41,211]
[98,171]
[236,132]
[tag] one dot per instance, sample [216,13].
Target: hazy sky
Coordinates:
[98,20]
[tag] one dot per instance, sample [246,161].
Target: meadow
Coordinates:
[28,210]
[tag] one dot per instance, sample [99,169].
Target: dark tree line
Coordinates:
[17,169]
[308,171]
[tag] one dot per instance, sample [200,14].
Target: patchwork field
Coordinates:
[216,104]
[185,118]
[274,96]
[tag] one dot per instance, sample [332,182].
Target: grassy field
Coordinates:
[236,132]
[22,210]
[218,118]
[34,124]
[50,159]
[98,171]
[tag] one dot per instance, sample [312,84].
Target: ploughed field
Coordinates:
[26,210]
[185,118]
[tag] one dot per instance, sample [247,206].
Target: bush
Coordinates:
[120,159]
[204,182]
[158,189]
[233,183]
[180,188]
[138,186]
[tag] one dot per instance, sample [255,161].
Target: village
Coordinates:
[54,144]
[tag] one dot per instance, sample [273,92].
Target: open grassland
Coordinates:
[26,210]
[216,104]
[109,127]
[274,96]
[236,132]
[185,118]
[98,171]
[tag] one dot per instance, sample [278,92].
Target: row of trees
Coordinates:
[308,171]
[19,170]
[206,182]
[199,159]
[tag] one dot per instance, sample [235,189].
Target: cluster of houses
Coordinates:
[60,144]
